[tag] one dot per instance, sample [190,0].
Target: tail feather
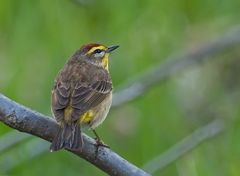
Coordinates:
[69,136]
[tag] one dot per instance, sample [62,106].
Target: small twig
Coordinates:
[174,65]
[190,142]
[25,120]
[29,150]
[10,139]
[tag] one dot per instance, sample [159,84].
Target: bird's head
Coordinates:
[97,54]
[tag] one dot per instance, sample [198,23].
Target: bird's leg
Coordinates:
[99,143]
[98,140]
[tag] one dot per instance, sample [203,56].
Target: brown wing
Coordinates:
[81,98]
[85,98]
[60,99]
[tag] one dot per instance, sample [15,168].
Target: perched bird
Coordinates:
[81,95]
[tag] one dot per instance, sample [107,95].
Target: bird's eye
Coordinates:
[97,51]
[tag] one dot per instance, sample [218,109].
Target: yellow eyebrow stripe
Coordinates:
[96,47]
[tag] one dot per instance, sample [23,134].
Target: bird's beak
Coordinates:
[111,48]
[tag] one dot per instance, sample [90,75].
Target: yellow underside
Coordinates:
[85,118]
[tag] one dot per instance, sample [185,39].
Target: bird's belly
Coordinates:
[97,115]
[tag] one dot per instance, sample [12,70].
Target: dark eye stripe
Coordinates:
[97,51]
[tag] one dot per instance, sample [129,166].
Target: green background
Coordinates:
[37,37]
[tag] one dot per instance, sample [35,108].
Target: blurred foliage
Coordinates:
[37,37]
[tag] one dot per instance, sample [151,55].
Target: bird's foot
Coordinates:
[99,143]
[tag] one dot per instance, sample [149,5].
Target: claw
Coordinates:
[99,144]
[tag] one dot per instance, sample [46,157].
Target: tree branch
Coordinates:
[199,136]
[25,120]
[176,64]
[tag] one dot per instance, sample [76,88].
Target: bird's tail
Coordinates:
[69,136]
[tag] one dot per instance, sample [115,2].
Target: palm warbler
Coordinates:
[82,95]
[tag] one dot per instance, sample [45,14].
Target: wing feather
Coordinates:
[81,98]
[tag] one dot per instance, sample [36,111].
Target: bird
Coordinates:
[82,95]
